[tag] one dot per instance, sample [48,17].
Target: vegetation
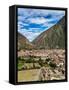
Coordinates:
[25,63]
[52,65]
[40,62]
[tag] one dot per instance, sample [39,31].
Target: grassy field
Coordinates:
[28,75]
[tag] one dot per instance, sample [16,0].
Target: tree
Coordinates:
[40,62]
[53,65]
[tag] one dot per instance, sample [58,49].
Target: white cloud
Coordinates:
[37,20]
[29,34]
[36,16]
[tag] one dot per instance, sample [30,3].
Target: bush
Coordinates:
[28,60]
[48,59]
[40,62]
[21,60]
[53,65]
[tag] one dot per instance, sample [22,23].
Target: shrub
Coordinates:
[40,62]
[48,59]
[53,65]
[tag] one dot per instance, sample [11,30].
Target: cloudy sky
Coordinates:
[32,22]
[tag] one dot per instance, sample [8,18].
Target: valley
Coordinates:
[44,57]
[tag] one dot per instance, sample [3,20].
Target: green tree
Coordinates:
[40,62]
[53,65]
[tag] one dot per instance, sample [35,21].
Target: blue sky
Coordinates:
[32,22]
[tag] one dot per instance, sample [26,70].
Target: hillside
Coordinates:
[23,42]
[52,38]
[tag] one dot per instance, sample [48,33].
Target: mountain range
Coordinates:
[52,38]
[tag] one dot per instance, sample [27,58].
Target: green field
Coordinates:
[28,75]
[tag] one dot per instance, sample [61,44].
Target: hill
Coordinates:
[52,38]
[23,42]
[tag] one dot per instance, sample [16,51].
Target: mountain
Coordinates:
[52,38]
[23,42]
